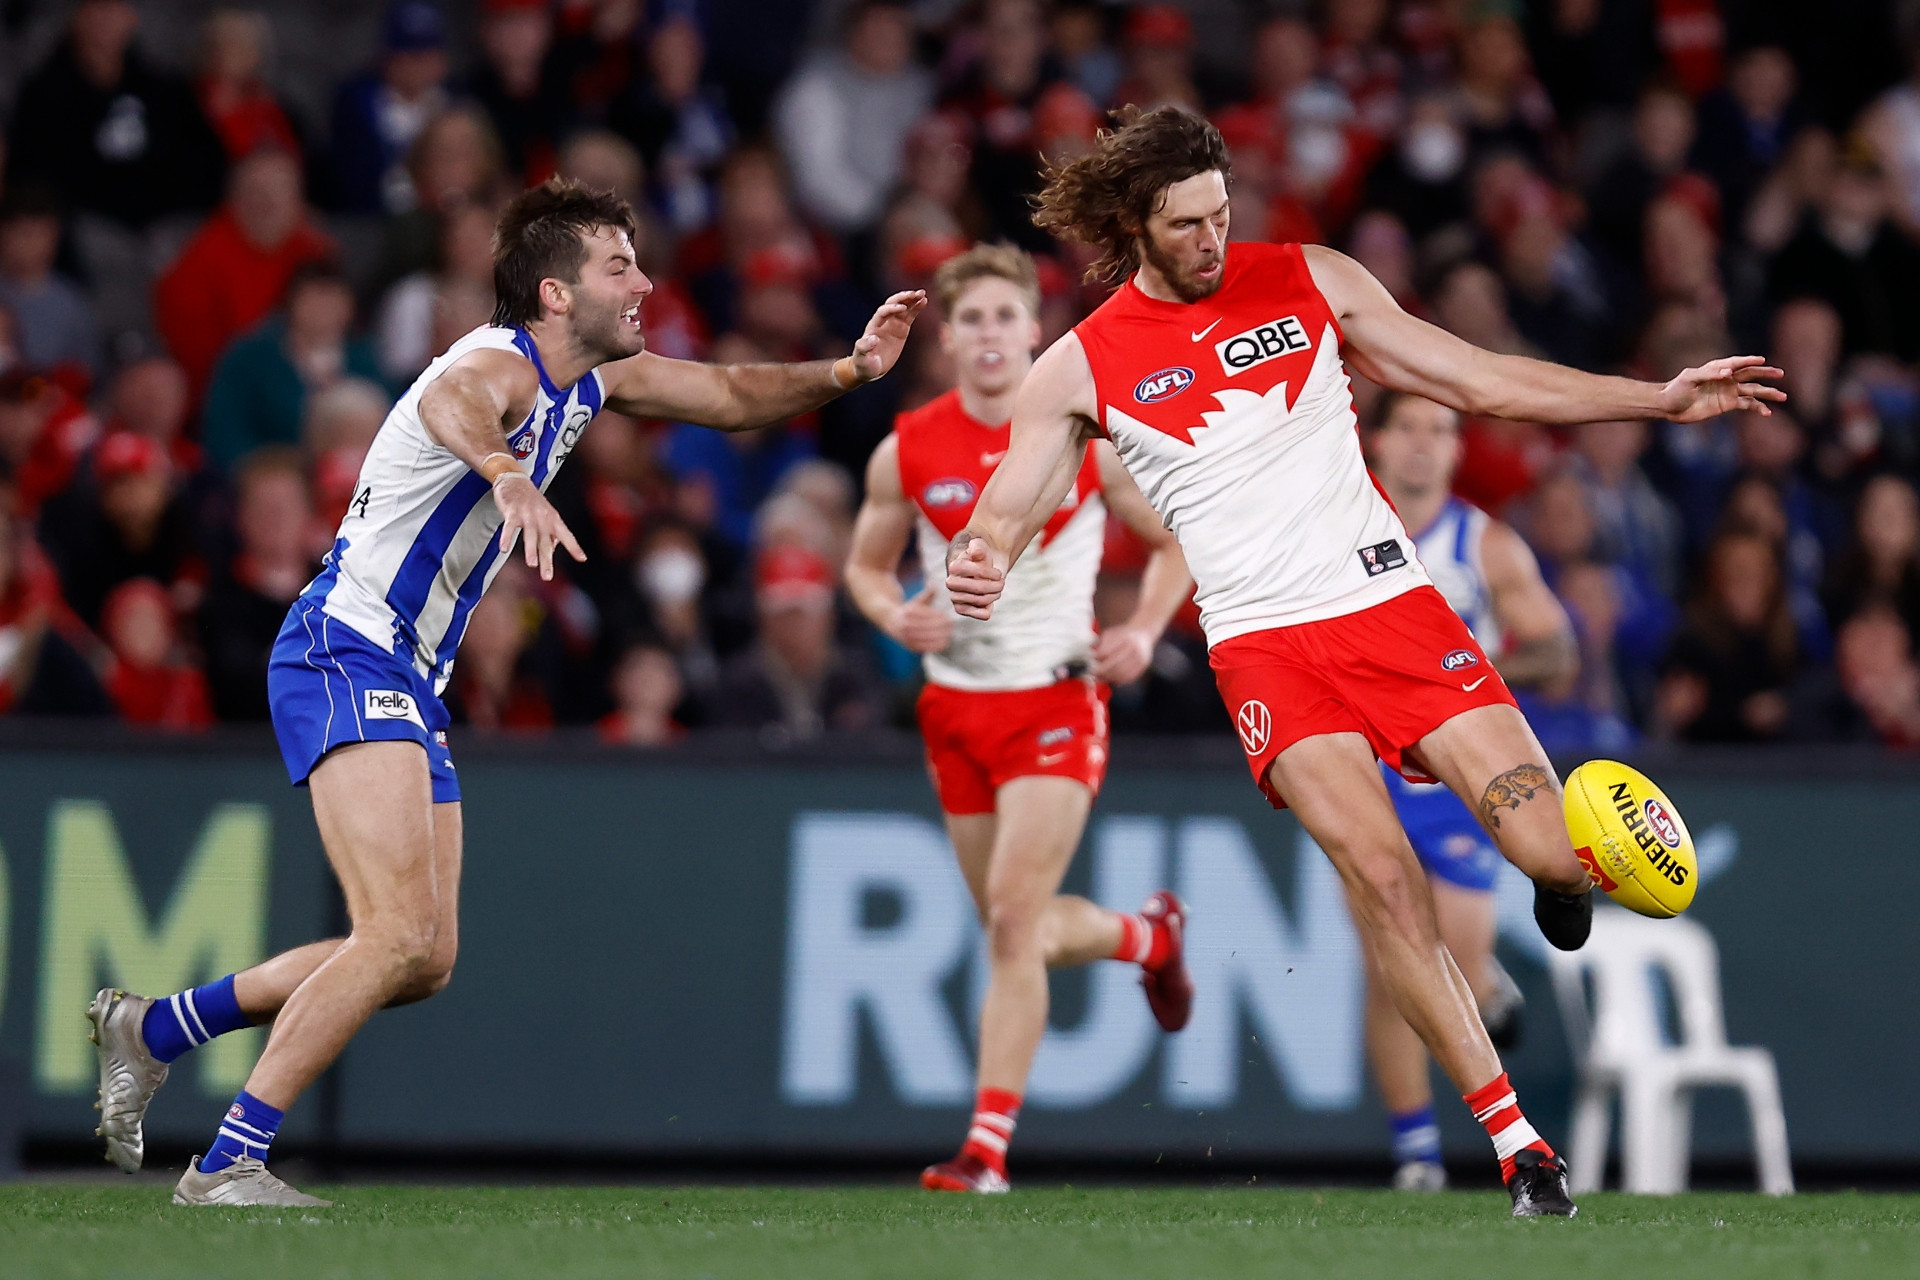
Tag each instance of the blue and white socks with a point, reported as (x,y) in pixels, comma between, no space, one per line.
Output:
(191,1018)
(248,1130)
(1416,1137)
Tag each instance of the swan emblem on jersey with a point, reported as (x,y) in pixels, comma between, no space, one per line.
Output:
(1242,411)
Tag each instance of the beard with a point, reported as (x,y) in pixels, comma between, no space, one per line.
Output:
(1190,287)
(604,336)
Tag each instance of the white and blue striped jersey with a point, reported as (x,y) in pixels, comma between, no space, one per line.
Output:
(1450,550)
(420,542)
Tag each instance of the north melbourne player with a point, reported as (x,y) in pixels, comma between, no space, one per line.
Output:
(456,474)
(1014,712)
(1215,370)
(1492,581)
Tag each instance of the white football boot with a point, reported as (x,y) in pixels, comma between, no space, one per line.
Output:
(129,1075)
(244,1182)
(1420,1175)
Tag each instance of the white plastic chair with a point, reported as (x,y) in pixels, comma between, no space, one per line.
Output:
(1621,1048)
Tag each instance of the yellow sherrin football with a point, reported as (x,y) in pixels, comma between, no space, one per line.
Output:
(1631,838)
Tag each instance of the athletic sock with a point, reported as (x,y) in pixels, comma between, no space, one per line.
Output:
(191,1018)
(1416,1137)
(995,1112)
(247,1131)
(1494,1105)
(1143,941)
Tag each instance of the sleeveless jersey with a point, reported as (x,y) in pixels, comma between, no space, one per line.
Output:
(1234,416)
(1044,619)
(1449,550)
(420,542)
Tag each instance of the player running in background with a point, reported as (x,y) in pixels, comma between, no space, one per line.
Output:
(1014,712)
(457,472)
(1492,581)
(1216,372)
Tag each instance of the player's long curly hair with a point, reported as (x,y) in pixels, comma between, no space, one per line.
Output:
(540,236)
(1104,198)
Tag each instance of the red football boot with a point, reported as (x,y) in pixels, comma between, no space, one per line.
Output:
(965,1172)
(1169,988)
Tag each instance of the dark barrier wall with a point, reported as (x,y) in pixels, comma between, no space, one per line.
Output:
(761,956)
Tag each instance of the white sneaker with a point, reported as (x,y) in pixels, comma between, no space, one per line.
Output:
(129,1075)
(1420,1175)
(244,1182)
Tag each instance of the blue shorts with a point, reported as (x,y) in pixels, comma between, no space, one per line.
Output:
(1450,843)
(328,685)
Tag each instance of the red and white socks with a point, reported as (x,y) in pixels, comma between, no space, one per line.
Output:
(995,1112)
(1495,1106)
(1144,942)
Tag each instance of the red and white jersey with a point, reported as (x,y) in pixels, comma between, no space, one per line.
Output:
(1234,416)
(1044,619)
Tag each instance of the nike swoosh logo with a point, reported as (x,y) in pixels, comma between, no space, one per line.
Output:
(1469,688)
(1055,758)
(1209,329)
(992,459)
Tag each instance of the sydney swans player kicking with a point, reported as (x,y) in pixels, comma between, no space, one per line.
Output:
(1493,582)
(1014,714)
(1215,370)
(457,472)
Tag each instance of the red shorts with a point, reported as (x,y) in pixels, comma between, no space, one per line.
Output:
(976,742)
(1392,673)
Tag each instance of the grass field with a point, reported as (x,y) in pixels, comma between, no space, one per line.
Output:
(103,1231)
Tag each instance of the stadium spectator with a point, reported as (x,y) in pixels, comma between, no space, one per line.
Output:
(45,430)
(235,269)
(343,417)
(1504,106)
(678,122)
(1850,255)
(1079,34)
(672,576)
(1636,527)
(247,602)
(454,164)
(998,97)
(1301,124)
(124,144)
(646,691)
(232,85)
(1422,180)
(1663,133)
(520,87)
(926,218)
(377,115)
(493,687)
(1157,46)
(1737,654)
(843,119)
(408,326)
(260,387)
(148,677)
(127,519)
(1357,56)
(1876,669)
(1881,567)
(1806,339)
(1744,128)
(44,650)
(796,681)
(54,315)
(599,54)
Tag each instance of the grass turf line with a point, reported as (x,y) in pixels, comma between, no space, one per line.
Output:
(104,1232)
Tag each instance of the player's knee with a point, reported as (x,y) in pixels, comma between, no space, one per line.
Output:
(1013,930)
(406,942)
(1389,888)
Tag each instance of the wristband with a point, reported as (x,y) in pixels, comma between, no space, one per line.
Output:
(853,378)
(492,471)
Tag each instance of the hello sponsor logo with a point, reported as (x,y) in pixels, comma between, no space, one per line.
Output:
(1266,341)
(954,491)
(1163,385)
(391,704)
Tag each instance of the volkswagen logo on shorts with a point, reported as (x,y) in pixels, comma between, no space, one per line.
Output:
(951,492)
(1255,724)
(1459,660)
(1163,385)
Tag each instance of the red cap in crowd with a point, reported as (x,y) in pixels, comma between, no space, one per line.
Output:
(780,265)
(1159,24)
(788,576)
(122,453)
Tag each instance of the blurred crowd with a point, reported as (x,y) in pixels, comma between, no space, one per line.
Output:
(209,297)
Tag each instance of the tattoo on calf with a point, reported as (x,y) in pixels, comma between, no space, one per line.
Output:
(1510,788)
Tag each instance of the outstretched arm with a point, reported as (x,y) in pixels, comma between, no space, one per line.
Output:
(1123,653)
(1400,351)
(1540,649)
(1052,420)
(880,534)
(740,397)
(466,410)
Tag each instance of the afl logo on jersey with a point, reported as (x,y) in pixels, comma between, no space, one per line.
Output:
(522,442)
(1459,660)
(1163,385)
(952,492)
